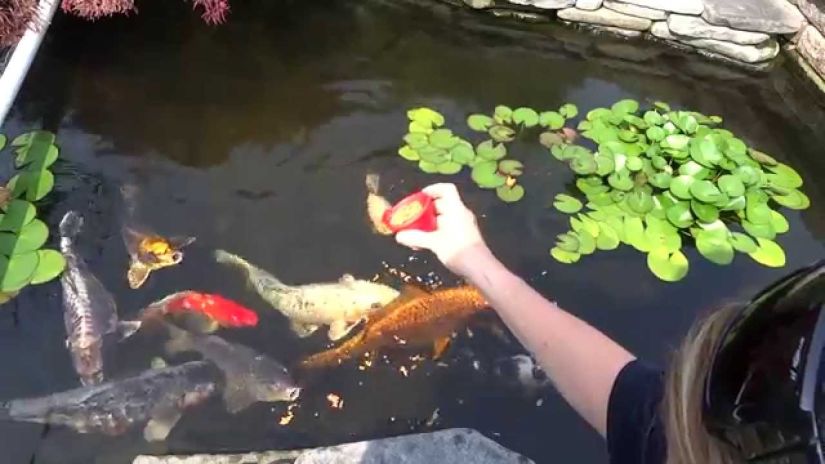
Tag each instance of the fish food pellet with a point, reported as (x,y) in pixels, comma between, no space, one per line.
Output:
(406,213)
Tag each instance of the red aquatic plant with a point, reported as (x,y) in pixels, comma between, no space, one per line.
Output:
(214,11)
(15,17)
(94,9)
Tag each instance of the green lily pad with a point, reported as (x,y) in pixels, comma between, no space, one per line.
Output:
(480,122)
(502,133)
(680,187)
(416,140)
(36,157)
(551,139)
(428,167)
(779,223)
(490,151)
(620,181)
(462,153)
(562,256)
(676,141)
(736,147)
(768,253)
(661,180)
(510,167)
(640,201)
(569,110)
(742,243)
(587,244)
(583,224)
(50,265)
(486,175)
(735,204)
(634,233)
(551,120)
(37,141)
(568,242)
(793,200)
(625,106)
(30,238)
(748,175)
(787,176)
(704,212)
(714,248)
(679,215)
(433,155)
(510,194)
(503,114)
(694,169)
(705,190)
(604,165)
(408,153)
(443,138)
(526,117)
(655,133)
(762,158)
(759,230)
(667,266)
(18,213)
(32,185)
(449,168)
(426,117)
(757,211)
(731,185)
(584,164)
(417,127)
(567,204)
(705,152)
(608,238)
(17,271)
(634,164)
(687,123)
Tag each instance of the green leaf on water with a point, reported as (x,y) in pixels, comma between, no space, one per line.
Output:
(50,265)
(587,244)
(36,157)
(449,168)
(759,230)
(680,187)
(486,175)
(3,140)
(491,151)
(640,201)
(526,117)
(443,138)
(501,133)
(779,223)
(32,185)
(511,167)
(562,256)
(704,212)
(742,243)
(510,194)
(625,106)
(480,122)
(30,238)
(408,153)
(567,204)
(667,266)
(655,133)
(569,110)
(620,181)
(428,167)
(768,253)
(608,238)
(787,176)
(550,139)
(679,215)
(714,248)
(731,185)
(551,120)
(676,141)
(568,241)
(416,140)
(18,213)
(503,114)
(17,271)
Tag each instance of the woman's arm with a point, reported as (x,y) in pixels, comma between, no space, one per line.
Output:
(581,361)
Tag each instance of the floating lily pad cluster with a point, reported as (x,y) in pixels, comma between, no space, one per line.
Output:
(23,261)
(438,150)
(660,179)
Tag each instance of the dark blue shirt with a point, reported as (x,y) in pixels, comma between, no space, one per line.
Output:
(634,428)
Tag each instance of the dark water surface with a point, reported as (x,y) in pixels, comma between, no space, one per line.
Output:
(255,137)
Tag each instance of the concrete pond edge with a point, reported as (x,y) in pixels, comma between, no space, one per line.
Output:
(449,445)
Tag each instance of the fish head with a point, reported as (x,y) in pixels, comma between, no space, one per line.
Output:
(270,381)
(157,252)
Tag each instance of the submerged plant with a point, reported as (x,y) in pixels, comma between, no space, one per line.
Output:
(23,261)
(660,178)
(438,150)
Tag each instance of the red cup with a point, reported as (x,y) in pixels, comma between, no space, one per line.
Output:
(424,220)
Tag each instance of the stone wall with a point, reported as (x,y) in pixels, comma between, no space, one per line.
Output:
(747,32)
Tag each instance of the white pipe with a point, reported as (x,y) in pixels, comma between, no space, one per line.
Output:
(22,57)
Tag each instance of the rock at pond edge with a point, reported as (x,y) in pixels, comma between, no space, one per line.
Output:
(605,17)
(635,10)
(814,10)
(749,54)
(588,4)
(698,28)
(545,4)
(769,16)
(811,45)
(693,7)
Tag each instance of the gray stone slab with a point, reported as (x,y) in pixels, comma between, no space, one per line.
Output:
(769,16)
(445,446)
(693,7)
(479,4)
(588,4)
(635,10)
(545,4)
(814,10)
(744,53)
(605,17)
(811,45)
(696,27)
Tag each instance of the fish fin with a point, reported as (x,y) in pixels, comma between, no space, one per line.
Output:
(163,419)
(353,346)
(236,398)
(440,345)
(179,341)
(339,329)
(181,241)
(126,329)
(303,330)
(372,182)
(137,274)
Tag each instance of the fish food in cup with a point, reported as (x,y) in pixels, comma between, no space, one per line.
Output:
(417,211)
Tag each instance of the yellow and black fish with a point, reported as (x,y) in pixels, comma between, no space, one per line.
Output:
(415,318)
(149,252)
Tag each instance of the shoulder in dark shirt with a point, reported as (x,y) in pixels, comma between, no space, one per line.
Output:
(634,428)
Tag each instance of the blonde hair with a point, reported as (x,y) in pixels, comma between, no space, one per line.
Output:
(688,441)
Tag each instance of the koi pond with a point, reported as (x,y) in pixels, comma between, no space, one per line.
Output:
(255,138)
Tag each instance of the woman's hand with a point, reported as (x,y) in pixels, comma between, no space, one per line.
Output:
(457,241)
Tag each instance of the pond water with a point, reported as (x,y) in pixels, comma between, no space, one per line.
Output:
(255,137)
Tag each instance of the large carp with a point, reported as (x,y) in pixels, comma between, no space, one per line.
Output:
(156,398)
(341,304)
(416,318)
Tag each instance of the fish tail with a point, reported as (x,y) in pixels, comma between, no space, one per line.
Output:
(349,349)
(225,257)
(372,180)
(71,224)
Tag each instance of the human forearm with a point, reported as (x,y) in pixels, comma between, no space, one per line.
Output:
(581,361)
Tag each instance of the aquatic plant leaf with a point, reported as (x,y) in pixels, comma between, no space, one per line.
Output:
(587,244)
(731,185)
(680,187)
(679,215)
(408,153)
(490,151)
(583,164)
(634,164)
(635,121)
(526,117)
(28,139)
(486,175)
(667,266)
(676,141)
(462,153)
(551,120)
(655,133)
(416,140)
(428,167)
(426,117)
(628,135)
(416,127)
(3,140)
(768,253)
(501,133)
(569,110)
(786,175)
(50,265)
(762,158)
(511,167)
(748,175)
(36,157)
(756,211)
(661,180)
(621,181)
(742,243)
(443,138)
(31,237)
(735,147)
(779,222)
(550,139)
(32,185)
(714,248)
(16,271)
(604,165)
(18,213)
(661,233)
(449,168)
(584,225)
(793,200)
(693,169)
(608,238)
(705,190)
(634,233)
(558,151)
(433,155)
(704,212)
(653,118)
(705,152)
(562,256)
(625,106)
(568,242)
(567,204)
(734,204)
(480,122)
(510,194)
(640,201)
(661,106)
(759,230)
(687,123)
(503,114)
